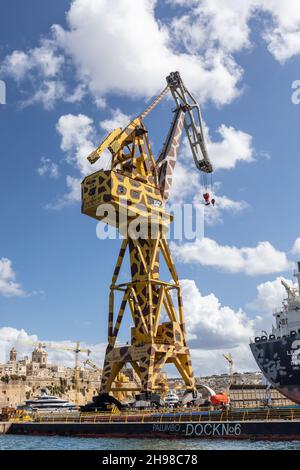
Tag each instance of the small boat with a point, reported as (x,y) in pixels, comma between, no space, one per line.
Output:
(171,399)
(46,402)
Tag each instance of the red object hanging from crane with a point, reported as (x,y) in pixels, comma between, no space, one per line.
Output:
(206,197)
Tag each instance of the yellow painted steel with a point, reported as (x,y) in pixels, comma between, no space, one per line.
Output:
(94,156)
(126,196)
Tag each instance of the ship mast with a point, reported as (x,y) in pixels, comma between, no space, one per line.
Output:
(297,275)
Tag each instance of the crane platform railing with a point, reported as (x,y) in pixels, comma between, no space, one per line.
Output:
(178,416)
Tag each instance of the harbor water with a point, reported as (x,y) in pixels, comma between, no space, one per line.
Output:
(12,442)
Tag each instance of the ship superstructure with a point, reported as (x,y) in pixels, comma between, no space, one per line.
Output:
(49,403)
(278,355)
(288,318)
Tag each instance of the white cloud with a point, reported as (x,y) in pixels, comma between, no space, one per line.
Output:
(205,362)
(210,24)
(226,24)
(210,325)
(282,33)
(146,42)
(10,337)
(43,60)
(77,95)
(25,343)
(226,203)
(187,188)
(209,362)
(270,295)
(214,214)
(296,247)
(78,139)
(134,60)
(72,195)
(213,329)
(235,146)
(261,259)
(48,167)
(118,119)
(8,285)
(42,66)
(77,136)
(185,183)
(50,92)
(16,64)
(46,60)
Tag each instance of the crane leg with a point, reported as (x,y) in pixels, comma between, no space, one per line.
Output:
(154,342)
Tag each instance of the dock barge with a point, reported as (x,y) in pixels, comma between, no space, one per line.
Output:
(255,424)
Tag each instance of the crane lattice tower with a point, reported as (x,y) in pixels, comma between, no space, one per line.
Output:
(137,187)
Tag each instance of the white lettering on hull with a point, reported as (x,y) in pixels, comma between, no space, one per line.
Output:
(200,429)
(213,429)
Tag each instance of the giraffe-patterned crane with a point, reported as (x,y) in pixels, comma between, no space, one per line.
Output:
(137,188)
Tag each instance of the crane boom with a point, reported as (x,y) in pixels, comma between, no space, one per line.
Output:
(166,162)
(192,122)
(187,113)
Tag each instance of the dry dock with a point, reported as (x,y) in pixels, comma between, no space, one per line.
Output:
(269,430)
(275,424)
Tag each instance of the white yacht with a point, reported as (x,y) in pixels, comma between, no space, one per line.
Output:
(171,399)
(46,402)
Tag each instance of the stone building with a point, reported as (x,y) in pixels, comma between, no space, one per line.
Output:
(40,356)
(13,355)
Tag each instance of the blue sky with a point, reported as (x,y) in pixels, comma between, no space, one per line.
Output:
(66,87)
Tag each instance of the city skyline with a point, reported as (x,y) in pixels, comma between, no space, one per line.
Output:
(68,83)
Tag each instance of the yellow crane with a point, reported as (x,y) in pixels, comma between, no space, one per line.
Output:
(229,359)
(119,390)
(88,362)
(77,350)
(131,195)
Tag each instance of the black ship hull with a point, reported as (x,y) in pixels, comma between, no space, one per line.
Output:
(279,361)
(256,430)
